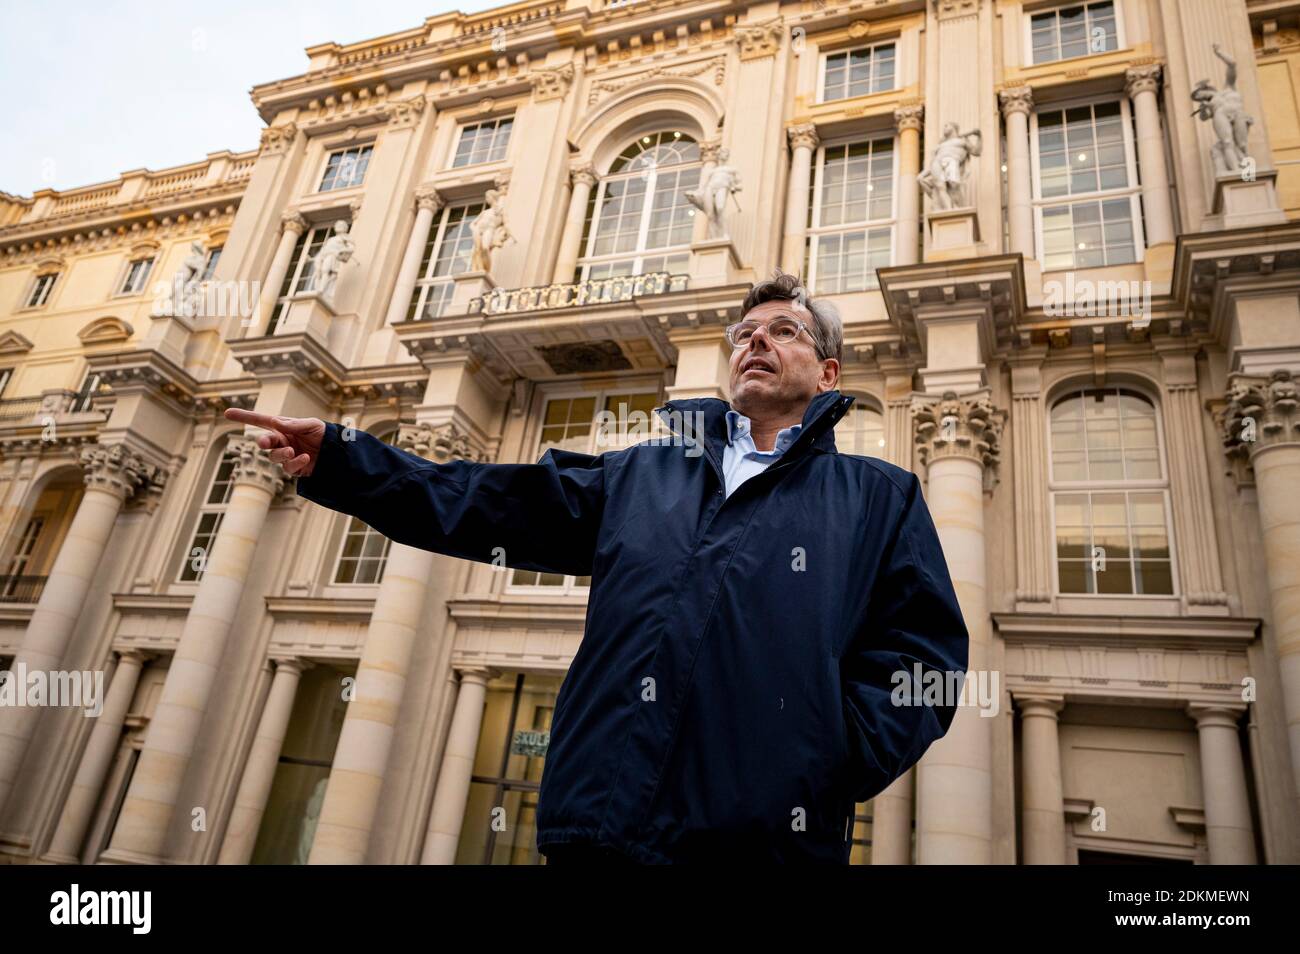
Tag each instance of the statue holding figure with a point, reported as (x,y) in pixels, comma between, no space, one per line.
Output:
(1225,110)
(944,180)
(185,283)
(711,198)
(489,231)
(333,255)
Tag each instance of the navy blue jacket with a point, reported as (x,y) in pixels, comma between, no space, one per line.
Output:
(734,693)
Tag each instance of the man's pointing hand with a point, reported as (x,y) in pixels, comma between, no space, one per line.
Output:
(294,441)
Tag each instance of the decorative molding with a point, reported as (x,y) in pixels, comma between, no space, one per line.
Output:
(118,469)
(585,173)
(909,117)
(1142,79)
(551,84)
(277,139)
(955,9)
(1259,413)
(1016,99)
(803,135)
(427,197)
(759,40)
(605,88)
(107,330)
(254,467)
(439,443)
(291,220)
(14,343)
(405,113)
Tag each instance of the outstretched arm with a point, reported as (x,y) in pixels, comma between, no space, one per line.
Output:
(1231,76)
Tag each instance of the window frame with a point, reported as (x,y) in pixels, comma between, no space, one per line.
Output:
(125,291)
(330,153)
(205,506)
(463,127)
(425,282)
(1121,40)
(1159,485)
(1133,191)
(35,288)
(210,260)
(815,230)
(294,276)
(825,55)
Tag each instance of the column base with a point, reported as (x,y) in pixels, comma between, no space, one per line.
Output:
(954,234)
(1240,203)
(715,262)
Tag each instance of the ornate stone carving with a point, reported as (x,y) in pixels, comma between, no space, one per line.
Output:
(118,469)
(1142,79)
(254,466)
(292,221)
(403,113)
(584,173)
(439,443)
(277,139)
(718,64)
(1018,99)
(909,117)
(952,426)
(952,9)
(1260,412)
(759,40)
(804,134)
(551,84)
(427,197)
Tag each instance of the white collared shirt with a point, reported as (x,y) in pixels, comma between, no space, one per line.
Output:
(741,460)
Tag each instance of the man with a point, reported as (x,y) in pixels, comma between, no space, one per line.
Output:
(757,600)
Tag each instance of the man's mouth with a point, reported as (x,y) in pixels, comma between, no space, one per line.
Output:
(756,365)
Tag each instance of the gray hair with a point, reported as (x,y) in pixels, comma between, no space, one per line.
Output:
(827,328)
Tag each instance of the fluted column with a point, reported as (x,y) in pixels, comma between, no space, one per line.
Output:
(566,261)
(1143,85)
(292,225)
(1016,106)
(803,141)
(142,825)
(427,204)
(1262,436)
(1043,801)
(1229,833)
(907,119)
(957,441)
(112,474)
(259,770)
(361,758)
(105,737)
(452,793)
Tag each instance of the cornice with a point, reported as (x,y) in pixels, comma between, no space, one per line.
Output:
(96,230)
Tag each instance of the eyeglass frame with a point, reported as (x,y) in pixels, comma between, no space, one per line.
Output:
(798,321)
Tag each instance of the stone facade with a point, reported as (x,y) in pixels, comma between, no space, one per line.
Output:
(1092,365)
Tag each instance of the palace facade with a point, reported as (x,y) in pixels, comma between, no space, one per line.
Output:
(1091,361)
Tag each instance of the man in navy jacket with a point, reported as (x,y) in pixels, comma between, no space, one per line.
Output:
(763,610)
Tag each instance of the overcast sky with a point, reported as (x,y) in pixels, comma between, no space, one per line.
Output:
(98,88)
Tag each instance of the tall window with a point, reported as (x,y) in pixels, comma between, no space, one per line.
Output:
(1086,189)
(572,423)
(298,277)
(861,431)
(211,512)
(447,252)
(1067,32)
(137,273)
(5,375)
(858,72)
(639,219)
(18,584)
(850,215)
(363,552)
(483,142)
(345,168)
(41,289)
(85,398)
(1109,495)
(210,263)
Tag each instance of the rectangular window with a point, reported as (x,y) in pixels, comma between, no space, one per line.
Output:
(211,512)
(851,215)
(1086,151)
(41,289)
(1067,32)
(345,168)
(137,273)
(85,398)
(210,264)
(483,142)
(298,276)
(447,252)
(1113,543)
(858,72)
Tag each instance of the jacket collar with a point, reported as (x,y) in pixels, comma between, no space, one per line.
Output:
(817,428)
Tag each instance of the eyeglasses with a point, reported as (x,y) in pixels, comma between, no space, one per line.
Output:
(780,330)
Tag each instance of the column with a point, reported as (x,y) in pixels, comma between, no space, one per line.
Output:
(427,203)
(1229,833)
(1262,429)
(907,119)
(891,823)
(292,225)
(1043,802)
(1142,84)
(259,771)
(957,441)
(1016,106)
(452,793)
(113,473)
(361,759)
(1034,555)
(142,825)
(566,261)
(803,141)
(65,848)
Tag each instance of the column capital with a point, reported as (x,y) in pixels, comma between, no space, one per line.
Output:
(909,116)
(758,40)
(476,674)
(291,220)
(277,139)
(1016,99)
(119,469)
(803,135)
(1259,413)
(404,113)
(1036,704)
(137,657)
(253,466)
(427,197)
(966,426)
(1222,714)
(583,172)
(1144,78)
(294,664)
(439,443)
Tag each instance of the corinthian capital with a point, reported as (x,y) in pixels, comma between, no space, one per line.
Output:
(759,40)
(1259,413)
(909,117)
(292,221)
(584,173)
(1019,99)
(1142,79)
(118,469)
(427,197)
(804,134)
(439,443)
(277,139)
(950,426)
(254,466)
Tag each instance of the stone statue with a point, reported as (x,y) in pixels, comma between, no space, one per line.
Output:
(1224,109)
(711,198)
(490,232)
(185,283)
(331,258)
(944,180)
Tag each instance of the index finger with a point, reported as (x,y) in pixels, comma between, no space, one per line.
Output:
(251,417)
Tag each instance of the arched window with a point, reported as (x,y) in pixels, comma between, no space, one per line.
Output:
(363,551)
(1110,495)
(639,219)
(861,431)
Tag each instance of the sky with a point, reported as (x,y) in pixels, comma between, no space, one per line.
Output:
(97,89)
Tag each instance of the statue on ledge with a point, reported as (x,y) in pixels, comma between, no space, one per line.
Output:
(944,180)
(711,198)
(490,232)
(1225,110)
(333,255)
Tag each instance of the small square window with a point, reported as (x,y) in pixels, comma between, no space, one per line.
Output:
(483,142)
(1067,32)
(137,273)
(859,72)
(41,289)
(345,168)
